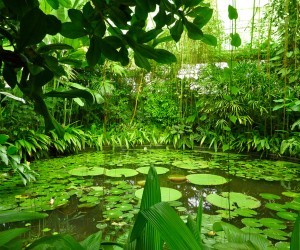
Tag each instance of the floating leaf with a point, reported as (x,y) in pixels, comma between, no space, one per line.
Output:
(159,170)
(291,194)
(177,178)
(167,194)
(275,234)
(273,223)
(239,199)
(245,212)
(124,207)
(206,179)
(86,171)
(276,207)
(287,215)
(112,214)
(121,172)
(269,196)
(250,222)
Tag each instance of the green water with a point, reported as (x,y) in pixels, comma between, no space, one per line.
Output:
(90,197)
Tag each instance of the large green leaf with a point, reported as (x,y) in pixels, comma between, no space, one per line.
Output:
(206,179)
(32,28)
(3,138)
(177,30)
(232,12)
(202,16)
(235,235)
(209,39)
(167,194)
(13,216)
(93,54)
(53,3)
(165,56)
(8,235)
(57,242)
(141,61)
(72,30)
(92,242)
(170,226)
(235,40)
(194,32)
(146,236)
(295,239)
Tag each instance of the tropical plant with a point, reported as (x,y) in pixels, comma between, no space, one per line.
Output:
(30,64)
(9,157)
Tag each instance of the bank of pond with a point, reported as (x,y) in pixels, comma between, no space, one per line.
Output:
(94,191)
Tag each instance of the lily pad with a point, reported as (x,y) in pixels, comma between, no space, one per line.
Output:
(167,194)
(250,222)
(269,196)
(272,223)
(282,245)
(206,179)
(253,230)
(190,164)
(112,198)
(275,234)
(112,214)
(177,178)
(159,170)
(295,205)
(121,172)
(291,194)
(287,215)
(276,207)
(124,207)
(87,171)
(245,212)
(237,200)
(141,183)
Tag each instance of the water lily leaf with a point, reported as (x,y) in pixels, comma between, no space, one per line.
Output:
(253,230)
(287,215)
(276,207)
(242,200)
(116,191)
(275,234)
(121,172)
(245,212)
(177,178)
(269,196)
(250,222)
(159,170)
(206,179)
(219,201)
(112,214)
(112,198)
(167,194)
(141,183)
(295,205)
(124,207)
(282,245)
(236,200)
(272,223)
(291,194)
(190,164)
(87,171)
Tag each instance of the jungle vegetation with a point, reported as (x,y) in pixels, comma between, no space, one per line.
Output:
(79,74)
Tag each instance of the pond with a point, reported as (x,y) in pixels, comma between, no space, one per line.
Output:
(100,190)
